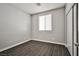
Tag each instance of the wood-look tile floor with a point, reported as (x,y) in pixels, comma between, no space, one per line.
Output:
(36,48)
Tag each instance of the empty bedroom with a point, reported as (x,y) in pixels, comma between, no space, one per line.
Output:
(39,29)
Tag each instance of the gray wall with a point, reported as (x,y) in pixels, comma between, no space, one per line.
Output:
(68,23)
(69,31)
(15,26)
(57,33)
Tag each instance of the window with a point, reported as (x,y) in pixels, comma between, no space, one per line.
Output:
(45,23)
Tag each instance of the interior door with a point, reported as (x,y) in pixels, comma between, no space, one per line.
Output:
(72,30)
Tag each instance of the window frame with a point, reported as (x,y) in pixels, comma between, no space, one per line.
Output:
(45,24)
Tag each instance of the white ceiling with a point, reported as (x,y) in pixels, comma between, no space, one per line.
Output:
(33,8)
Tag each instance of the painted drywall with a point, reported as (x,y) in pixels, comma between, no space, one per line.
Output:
(57,33)
(69,31)
(68,26)
(15,26)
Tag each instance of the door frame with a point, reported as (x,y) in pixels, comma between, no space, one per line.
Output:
(77,25)
(76,28)
(73,26)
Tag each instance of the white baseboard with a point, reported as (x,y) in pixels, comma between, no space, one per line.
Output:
(13,45)
(29,40)
(51,42)
(66,45)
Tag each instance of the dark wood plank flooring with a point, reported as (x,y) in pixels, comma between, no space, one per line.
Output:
(36,48)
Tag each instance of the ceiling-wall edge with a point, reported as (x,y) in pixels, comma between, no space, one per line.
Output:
(17,8)
(48,10)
